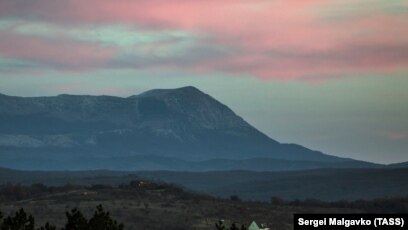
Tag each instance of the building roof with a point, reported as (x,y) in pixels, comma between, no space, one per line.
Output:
(253,226)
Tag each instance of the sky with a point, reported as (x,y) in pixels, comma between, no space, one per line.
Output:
(331,75)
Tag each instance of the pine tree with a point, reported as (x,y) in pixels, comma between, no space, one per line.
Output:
(220,225)
(101,220)
(47,226)
(76,221)
(21,221)
(234,227)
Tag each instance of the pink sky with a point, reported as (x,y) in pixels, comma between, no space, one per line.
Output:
(283,39)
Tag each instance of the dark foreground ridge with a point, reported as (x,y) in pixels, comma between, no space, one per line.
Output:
(143,204)
(321,184)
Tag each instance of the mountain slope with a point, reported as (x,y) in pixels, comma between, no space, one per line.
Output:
(399,165)
(184,123)
(149,163)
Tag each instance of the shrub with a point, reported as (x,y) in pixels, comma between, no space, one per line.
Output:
(101,220)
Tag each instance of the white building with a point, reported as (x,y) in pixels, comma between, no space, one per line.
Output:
(254,226)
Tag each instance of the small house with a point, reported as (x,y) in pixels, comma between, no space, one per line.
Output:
(255,226)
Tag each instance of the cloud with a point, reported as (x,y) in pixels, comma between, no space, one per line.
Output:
(61,53)
(103,46)
(282,39)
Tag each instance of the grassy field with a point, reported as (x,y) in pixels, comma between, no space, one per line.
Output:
(162,206)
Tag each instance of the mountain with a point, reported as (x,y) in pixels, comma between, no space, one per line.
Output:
(88,132)
(399,165)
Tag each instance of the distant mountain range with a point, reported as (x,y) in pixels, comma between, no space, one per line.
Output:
(161,129)
(324,184)
(399,165)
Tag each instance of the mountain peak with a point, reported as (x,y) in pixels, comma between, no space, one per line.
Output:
(196,107)
(186,90)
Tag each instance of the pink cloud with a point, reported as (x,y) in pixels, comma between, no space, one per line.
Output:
(57,53)
(285,39)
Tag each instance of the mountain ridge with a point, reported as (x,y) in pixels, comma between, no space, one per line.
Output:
(399,165)
(184,123)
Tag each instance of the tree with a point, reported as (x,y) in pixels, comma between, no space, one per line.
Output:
(101,220)
(220,225)
(76,221)
(235,198)
(234,227)
(21,221)
(277,201)
(47,226)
